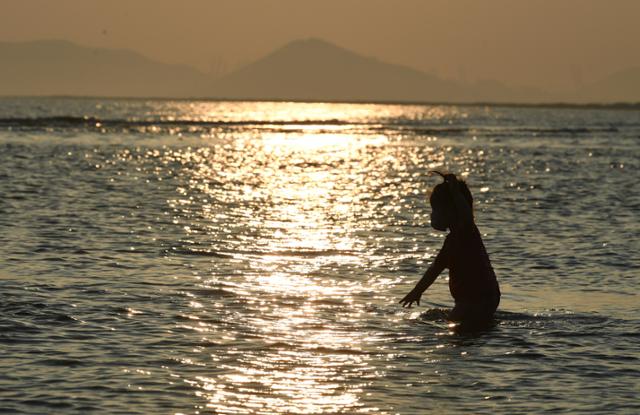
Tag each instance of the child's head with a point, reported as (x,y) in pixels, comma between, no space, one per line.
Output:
(443,210)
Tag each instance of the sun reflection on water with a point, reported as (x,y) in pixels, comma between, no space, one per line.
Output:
(301,233)
(283,194)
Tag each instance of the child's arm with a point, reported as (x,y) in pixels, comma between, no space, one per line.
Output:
(425,282)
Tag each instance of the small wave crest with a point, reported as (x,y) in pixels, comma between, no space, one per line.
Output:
(302,253)
(198,126)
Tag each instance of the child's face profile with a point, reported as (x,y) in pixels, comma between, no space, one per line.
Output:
(439,219)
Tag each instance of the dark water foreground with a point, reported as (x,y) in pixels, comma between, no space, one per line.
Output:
(232,258)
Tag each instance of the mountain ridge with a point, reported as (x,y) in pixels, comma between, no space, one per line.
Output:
(316,69)
(301,70)
(60,67)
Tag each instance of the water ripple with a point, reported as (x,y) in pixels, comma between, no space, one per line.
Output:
(194,257)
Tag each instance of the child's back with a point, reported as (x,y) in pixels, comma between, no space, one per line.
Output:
(472,282)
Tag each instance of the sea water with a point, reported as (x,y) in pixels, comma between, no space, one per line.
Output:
(248,258)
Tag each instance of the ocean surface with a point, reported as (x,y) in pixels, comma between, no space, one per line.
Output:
(194,257)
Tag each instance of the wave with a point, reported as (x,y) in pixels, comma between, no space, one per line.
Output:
(419,127)
(74,121)
(303,253)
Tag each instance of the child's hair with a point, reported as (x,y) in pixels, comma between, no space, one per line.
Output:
(441,197)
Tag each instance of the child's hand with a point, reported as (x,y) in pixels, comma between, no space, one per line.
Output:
(412,297)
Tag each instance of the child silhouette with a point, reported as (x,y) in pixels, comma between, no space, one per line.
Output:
(472,282)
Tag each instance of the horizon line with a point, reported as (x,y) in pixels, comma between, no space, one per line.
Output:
(552,104)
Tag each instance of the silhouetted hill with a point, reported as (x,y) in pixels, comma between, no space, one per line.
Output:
(310,70)
(317,70)
(313,69)
(54,67)
(622,86)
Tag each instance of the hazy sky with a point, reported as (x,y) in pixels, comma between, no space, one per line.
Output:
(552,43)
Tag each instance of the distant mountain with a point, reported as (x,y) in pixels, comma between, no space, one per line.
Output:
(621,86)
(55,67)
(313,69)
(308,70)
